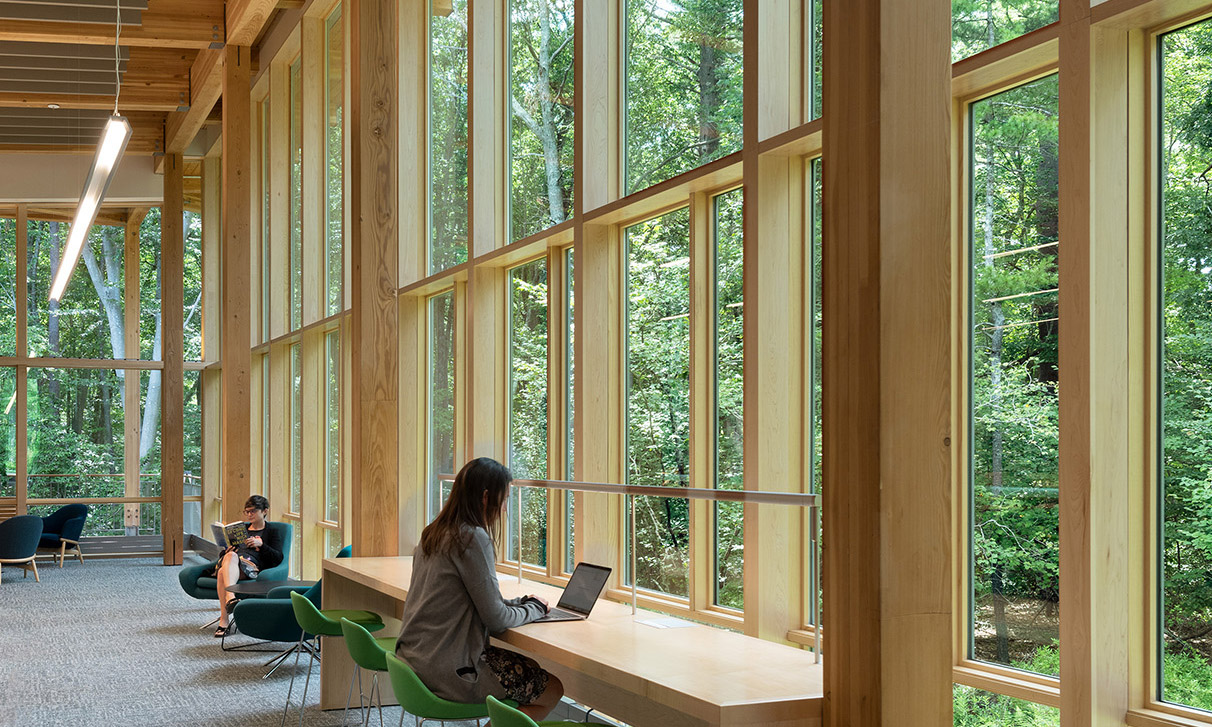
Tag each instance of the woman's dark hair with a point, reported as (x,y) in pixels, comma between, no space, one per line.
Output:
(466,506)
(258,502)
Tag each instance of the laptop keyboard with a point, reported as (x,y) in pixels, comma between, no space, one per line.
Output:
(559,614)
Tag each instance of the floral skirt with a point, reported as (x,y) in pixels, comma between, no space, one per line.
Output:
(524,680)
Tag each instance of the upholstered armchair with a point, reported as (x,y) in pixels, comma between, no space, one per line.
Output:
(19,542)
(204,587)
(61,531)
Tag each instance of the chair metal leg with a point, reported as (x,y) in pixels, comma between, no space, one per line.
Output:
(291,689)
(356,676)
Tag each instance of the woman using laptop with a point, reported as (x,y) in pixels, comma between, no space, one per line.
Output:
(454,603)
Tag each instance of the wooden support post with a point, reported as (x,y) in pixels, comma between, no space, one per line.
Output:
(237,238)
(485,364)
(212,379)
(488,136)
(315,196)
(374,259)
(887,360)
(22,473)
(172,391)
(413,349)
(131,380)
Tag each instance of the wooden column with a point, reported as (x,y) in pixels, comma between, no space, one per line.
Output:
(131,380)
(172,391)
(374,259)
(237,306)
(1101,530)
(485,364)
(23,351)
(887,359)
(211,378)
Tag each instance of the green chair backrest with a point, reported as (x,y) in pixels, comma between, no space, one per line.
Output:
(310,619)
(416,699)
(363,648)
(502,715)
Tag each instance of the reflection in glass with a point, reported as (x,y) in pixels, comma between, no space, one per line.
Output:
(658,396)
(1015,383)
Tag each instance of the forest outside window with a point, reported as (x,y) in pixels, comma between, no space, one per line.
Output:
(334,167)
(296,428)
(683,86)
(332,432)
(1014,382)
(569,408)
(729,397)
(441,397)
(296,195)
(448,158)
(658,398)
(528,408)
(541,80)
(978,25)
(1185,368)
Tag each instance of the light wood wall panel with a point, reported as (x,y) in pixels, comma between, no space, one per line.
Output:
(488,126)
(315,195)
(486,362)
(172,390)
(413,200)
(374,256)
(414,407)
(599,113)
(237,307)
(131,379)
(279,198)
(212,338)
(887,359)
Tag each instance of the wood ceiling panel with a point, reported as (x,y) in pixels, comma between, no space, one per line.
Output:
(166,24)
(96,14)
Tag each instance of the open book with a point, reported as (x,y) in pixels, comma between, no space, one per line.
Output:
(231,534)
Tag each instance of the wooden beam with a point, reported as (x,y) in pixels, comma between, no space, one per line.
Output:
(887,362)
(212,379)
(237,238)
(246,18)
(314,201)
(374,257)
(172,391)
(132,379)
(205,88)
(166,24)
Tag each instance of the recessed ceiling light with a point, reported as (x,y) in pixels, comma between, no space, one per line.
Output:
(52,106)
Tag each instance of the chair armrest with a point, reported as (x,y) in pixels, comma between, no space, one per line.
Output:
(71,529)
(284,592)
(189,575)
(279,572)
(267,618)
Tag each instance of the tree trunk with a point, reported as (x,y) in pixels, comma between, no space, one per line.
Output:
(52,325)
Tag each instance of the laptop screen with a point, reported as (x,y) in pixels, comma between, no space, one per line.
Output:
(584,587)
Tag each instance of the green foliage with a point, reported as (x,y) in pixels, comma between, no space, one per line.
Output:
(528,405)
(980,24)
(448,138)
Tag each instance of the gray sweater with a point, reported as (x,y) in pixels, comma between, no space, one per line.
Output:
(454,602)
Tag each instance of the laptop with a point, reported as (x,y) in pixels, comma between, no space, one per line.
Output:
(582,591)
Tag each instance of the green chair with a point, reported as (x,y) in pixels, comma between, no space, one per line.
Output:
(503,715)
(370,653)
(316,623)
(417,700)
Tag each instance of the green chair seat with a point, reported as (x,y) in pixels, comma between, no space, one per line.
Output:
(416,699)
(503,715)
(368,619)
(328,622)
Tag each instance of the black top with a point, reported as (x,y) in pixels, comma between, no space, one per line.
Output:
(270,553)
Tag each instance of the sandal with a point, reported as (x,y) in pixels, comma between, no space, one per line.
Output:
(222,631)
(231,604)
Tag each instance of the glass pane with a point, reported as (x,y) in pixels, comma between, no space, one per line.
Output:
(658,396)
(334,169)
(88,322)
(441,397)
(296,195)
(8,432)
(569,408)
(192,441)
(150,388)
(541,81)
(1014,385)
(149,285)
(528,406)
(1186,366)
(296,550)
(977,25)
(814,185)
(192,287)
(111,519)
(332,543)
(817,46)
(296,428)
(683,86)
(729,397)
(77,433)
(332,433)
(447,134)
(266,386)
(8,286)
(265,215)
(976,708)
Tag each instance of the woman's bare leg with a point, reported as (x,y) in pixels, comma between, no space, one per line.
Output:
(227,574)
(547,701)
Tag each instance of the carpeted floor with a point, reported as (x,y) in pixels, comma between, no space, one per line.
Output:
(116,642)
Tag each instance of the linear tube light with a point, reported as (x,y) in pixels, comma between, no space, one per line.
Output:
(113,142)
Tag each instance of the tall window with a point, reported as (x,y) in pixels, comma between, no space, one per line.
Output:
(569,410)
(265,226)
(528,406)
(541,112)
(977,25)
(729,397)
(1185,366)
(334,168)
(658,396)
(296,194)
(447,134)
(683,86)
(332,436)
(813,610)
(1014,324)
(296,428)
(441,397)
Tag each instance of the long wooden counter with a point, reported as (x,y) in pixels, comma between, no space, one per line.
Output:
(643,675)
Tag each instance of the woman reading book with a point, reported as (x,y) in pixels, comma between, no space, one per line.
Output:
(262,549)
(454,603)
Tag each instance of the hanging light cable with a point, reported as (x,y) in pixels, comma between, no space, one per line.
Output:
(113,141)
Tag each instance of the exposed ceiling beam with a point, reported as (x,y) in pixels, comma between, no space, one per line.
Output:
(206,85)
(96,14)
(166,23)
(246,18)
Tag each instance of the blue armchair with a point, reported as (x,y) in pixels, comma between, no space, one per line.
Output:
(62,528)
(204,587)
(19,542)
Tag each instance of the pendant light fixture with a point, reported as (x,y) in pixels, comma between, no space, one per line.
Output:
(113,141)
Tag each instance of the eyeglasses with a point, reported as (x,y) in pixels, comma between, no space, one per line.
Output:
(250,510)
